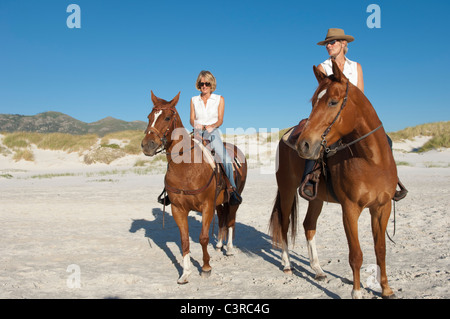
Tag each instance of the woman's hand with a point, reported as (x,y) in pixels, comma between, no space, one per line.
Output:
(198,127)
(210,128)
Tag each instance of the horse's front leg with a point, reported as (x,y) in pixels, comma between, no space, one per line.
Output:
(380,217)
(180,217)
(351,213)
(207,216)
(309,225)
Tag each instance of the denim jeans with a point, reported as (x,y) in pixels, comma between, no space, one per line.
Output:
(219,148)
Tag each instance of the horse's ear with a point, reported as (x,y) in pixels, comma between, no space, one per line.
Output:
(154,98)
(175,99)
(338,75)
(319,74)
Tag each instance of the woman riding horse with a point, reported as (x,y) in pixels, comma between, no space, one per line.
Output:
(336,43)
(207,112)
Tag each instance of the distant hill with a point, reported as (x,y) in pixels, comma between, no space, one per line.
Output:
(56,122)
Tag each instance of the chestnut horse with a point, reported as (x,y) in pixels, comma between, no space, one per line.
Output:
(362,171)
(190,181)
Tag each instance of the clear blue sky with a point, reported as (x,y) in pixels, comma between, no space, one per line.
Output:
(261,53)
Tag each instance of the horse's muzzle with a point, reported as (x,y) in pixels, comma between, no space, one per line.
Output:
(149,147)
(308,149)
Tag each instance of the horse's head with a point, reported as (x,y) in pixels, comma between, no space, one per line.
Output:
(162,121)
(327,122)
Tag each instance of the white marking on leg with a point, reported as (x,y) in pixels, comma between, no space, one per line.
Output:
(157,114)
(285,260)
(230,248)
(186,269)
(356,294)
(314,259)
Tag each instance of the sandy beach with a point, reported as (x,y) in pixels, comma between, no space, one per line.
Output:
(71,230)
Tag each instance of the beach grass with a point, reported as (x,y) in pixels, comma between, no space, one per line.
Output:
(440,132)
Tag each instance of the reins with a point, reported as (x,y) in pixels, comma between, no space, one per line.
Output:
(338,146)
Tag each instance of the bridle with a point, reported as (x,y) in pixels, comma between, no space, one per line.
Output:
(333,149)
(163,136)
(328,129)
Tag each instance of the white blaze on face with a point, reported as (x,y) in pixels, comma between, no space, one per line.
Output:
(157,114)
(321,94)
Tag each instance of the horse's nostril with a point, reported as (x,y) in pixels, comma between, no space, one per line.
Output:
(305,146)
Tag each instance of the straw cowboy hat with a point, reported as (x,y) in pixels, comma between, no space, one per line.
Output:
(336,34)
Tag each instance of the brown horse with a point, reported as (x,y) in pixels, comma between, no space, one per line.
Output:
(191,182)
(362,173)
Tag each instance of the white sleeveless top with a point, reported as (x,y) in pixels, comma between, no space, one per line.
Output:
(206,115)
(350,69)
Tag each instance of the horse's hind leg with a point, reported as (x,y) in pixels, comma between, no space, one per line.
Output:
(222,234)
(309,224)
(180,217)
(287,203)
(230,225)
(380,218)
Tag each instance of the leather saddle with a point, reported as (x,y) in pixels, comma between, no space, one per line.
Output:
(320,167)
(236,156)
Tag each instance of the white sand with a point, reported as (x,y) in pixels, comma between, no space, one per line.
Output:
(108,228)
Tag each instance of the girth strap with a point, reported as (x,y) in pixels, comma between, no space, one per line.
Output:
(188,192)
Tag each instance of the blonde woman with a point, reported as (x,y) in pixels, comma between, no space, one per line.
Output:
(207,111)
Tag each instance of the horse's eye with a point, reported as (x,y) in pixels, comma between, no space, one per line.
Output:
(167,119)
(333,103)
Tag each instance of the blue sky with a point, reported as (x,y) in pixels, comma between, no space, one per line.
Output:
(261,53)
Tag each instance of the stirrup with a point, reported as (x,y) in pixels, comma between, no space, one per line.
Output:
(164,200)
(399,195)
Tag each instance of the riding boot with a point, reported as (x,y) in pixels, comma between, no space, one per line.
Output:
(309,187)
(400,194)
(235,198)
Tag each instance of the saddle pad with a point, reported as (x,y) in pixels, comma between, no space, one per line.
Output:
(206,154)
(237,158)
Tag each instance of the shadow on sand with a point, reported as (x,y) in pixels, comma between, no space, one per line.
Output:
(249,241)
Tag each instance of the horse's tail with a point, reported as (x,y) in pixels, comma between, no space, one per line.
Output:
(276,222)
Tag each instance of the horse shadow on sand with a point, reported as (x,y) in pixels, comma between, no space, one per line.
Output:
(248,240)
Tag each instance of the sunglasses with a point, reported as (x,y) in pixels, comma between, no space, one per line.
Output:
(331,42)
(200,84)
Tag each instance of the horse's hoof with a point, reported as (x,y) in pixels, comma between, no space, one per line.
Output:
(182,281)
(206,274)
(393,296)
(230,252)
(320,277)
(288,271)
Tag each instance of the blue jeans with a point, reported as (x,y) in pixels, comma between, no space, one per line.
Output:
(219,148)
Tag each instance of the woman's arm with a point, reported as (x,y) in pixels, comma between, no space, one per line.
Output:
(192,118)
(220,117)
